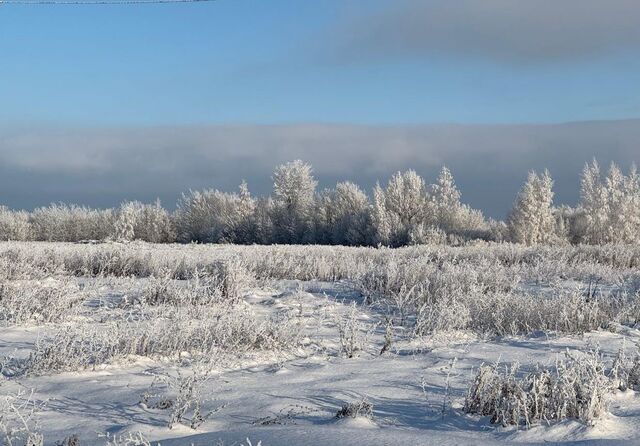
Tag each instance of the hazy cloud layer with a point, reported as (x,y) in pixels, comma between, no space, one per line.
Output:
(503,30)
(101,167)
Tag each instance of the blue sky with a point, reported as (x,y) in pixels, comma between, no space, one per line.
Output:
(256,61)
(99,104)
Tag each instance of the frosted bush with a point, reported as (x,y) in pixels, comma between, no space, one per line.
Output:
(219,282)
(362,408)
(490,288)
(625,371)
(162,332)
(18,425)
(353,333)
(128,439)
(14,267)
(182,394)
(50,300)
(577,387)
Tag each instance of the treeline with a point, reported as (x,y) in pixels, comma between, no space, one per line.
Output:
(405,211)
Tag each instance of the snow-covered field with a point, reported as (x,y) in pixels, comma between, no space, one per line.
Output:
(206,345)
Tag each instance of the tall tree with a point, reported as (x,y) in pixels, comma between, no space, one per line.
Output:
(623,194)
(380,218)
(446,198)
(594,201)
(294,193)
(348,215)
(400,208)
(531,220)
(611,208)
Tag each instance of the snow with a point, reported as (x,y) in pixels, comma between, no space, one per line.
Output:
(405,385)
(289,394)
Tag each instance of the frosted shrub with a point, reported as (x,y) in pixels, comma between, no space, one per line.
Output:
(129,439)
(563,311)
(450,313)
(232,278)
(162,332)
(18,425)
(15,267)
(489,288)
(182,395)
(577,387)
(362,408)
(218,282)
(50,300)
(353,333)
(626,371)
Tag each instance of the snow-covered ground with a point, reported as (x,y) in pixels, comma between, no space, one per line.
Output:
(290,395)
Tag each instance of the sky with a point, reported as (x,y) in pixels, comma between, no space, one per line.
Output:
(226,89)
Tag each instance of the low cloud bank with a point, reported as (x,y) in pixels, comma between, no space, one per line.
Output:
(102,167)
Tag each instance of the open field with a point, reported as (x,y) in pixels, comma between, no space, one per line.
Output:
(139,343)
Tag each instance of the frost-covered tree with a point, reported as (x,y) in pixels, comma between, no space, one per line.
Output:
(522,220)
(246,229)
(345,212)
(261,220)
(594,201)
(294,193)
(14,225)
(194,216)
(568,224)
(212,216)
(446,200)
(404,211)
(448,213)
(631,207)
(531,220)
(323,219)
(546,220)
(150,222)
(379,218)
(126,221)
(623,193)
(424,234)
(399,208)
(70,223)
(611,207)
